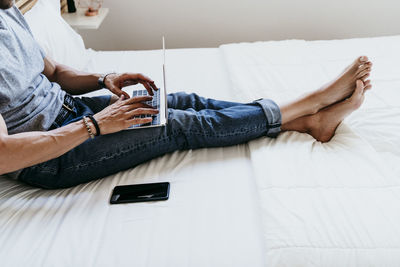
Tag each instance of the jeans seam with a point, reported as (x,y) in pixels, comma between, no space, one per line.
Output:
(122,151)
(130,149)
(234,133)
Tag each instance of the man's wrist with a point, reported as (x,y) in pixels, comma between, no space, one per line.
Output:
(102,80)
(96,125)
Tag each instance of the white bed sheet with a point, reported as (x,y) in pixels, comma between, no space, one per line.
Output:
(290,201)
(333,204)
(211,218)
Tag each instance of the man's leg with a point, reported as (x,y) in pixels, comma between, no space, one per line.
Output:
(186,129)
(190,129)
(335,91)
(182,101)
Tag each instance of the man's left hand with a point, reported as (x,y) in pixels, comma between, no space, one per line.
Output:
(115,82)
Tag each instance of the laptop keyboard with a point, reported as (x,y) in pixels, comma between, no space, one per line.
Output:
(155,102)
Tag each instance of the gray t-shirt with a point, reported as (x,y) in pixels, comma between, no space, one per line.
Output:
(28,100)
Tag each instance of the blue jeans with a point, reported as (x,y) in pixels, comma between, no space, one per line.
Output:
(193,122)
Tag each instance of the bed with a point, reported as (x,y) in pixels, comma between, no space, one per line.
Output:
(289,201)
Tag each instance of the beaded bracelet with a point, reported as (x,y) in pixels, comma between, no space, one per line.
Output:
(85,121)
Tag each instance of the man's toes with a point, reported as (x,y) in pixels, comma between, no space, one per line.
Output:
(359,87)
(358,62)
(365,73)
(358,96)
(367,85)
(359,90)
(363,78)
(365,66)
(363,59)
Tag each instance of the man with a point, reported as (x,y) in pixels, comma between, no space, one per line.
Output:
(45,133)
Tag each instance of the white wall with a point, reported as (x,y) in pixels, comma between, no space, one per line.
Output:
(139,24)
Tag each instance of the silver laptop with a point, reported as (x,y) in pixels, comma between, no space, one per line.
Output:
(159,100)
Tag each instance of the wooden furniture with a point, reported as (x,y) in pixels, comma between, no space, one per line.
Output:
(76,20)
(79,21)
(25,5)
(64,7)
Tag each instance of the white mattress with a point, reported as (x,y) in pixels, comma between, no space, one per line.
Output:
(333,204)
(210,219)
(289,201)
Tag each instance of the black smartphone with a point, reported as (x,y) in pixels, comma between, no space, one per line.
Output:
(140,193)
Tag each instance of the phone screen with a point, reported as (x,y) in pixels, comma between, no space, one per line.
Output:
(140,193)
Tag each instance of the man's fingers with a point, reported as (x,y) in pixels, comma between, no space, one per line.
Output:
(153,85)
(142,111)
(127,79)
(119,92)
(147,86)
(140,121)
(125,94)
(144,105)
(138,99)
(139,105)
(135,76)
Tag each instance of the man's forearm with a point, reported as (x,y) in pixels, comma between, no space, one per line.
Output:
(41,146)
(75,82)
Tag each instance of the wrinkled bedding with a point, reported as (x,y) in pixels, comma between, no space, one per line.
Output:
(289,201)
(333,204)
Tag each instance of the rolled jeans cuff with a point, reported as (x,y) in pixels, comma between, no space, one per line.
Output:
(273,114)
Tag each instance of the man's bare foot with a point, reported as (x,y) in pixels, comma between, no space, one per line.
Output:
(339,89)
(343,86)
(322,125)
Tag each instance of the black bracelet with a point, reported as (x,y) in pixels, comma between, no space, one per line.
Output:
(95,125)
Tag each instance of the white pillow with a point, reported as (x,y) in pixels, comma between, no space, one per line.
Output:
(60,42)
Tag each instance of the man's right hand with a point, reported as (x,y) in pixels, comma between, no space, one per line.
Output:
(124,113)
